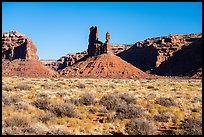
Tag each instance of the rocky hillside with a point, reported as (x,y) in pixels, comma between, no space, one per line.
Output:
(19,57)
(104,66)
(173,55)
(185,62)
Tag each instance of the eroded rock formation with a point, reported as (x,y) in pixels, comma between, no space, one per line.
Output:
(16,46)
(19,57)
(95,46)
(151,54)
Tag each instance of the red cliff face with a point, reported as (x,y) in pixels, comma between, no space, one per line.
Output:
(16,46)
(19,57)
(168,55)
(95,46)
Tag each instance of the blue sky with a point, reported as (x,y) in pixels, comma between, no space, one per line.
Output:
(59,28)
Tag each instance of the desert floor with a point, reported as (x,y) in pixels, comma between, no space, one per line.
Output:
(66,106)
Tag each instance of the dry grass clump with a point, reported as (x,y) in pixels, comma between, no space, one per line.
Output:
(7,87)
(58,130)
(192,126)
(35,129)
(87,99)
(17,120)
(23,87)
(64,109)
(48,86)
(9,100)
(140,126)
(12,131)
(21,106)
(167,102)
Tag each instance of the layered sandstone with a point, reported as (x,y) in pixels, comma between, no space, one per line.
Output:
(19,57)
(151,54)
(16,46)
(104,66)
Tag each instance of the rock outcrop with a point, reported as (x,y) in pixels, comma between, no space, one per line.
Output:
(19,57)
(150,54)
(104,66)
(95,46)
(185,62)
(16,46)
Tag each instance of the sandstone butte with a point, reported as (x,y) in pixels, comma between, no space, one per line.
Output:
(19,57)
(100,62)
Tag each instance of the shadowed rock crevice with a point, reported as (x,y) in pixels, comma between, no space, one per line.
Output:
(184,62)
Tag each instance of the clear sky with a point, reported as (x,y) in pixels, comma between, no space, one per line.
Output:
(59,28)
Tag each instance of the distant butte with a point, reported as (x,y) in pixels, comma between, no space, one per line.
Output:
(102,63)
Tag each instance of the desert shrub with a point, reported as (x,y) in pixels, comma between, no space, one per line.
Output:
(45,117)
(128,111)
(86,99)
(9,100)
(167,102)
(64,109)
(74,101)
(41,103)
(127,98)
(162,118)
(57,130)
(110,101)
(192,126)
(35,129)
(140,126)
(23,87)
(17,120)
